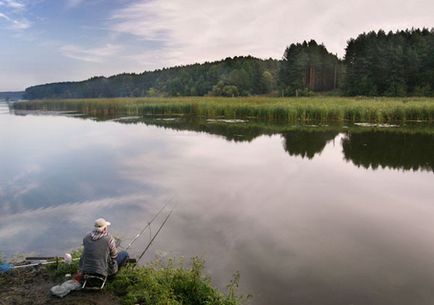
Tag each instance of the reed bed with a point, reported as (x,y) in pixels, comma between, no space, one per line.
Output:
(316,109)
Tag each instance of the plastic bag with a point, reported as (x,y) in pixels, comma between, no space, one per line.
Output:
(64,289)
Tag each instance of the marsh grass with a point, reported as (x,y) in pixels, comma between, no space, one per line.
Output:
(309,109)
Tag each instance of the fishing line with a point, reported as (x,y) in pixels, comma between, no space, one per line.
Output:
(153,238)
(148,225)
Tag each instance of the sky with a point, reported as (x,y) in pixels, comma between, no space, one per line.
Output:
(43,41)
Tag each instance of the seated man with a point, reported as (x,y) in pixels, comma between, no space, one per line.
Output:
(100,254)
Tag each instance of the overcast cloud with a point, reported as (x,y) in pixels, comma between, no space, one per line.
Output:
(93,37)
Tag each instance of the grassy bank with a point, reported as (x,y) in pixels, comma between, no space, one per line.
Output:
(317,109)
(169,282)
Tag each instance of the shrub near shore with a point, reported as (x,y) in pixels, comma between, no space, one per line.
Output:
(316,109)
(170,283)
(160,282)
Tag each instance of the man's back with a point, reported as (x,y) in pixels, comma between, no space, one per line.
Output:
(96,255)
(100,253)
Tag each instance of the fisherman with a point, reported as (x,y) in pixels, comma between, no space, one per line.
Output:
(100,253)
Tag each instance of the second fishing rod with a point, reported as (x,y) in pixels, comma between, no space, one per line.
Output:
(148,225)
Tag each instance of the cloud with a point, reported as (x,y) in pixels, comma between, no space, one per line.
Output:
(150,59)
(73,3)
(16,24)
(95,55)
(14,14)
(21,24)
(193,31)
(5,17)
(163,33)
(12,4)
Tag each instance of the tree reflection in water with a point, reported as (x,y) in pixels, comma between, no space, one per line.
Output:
(307,143)
(374,149)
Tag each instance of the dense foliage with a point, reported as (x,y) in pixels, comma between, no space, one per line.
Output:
(308,67)
(171,283)
(11,95)
(392,64)
(375,64)
(230,77)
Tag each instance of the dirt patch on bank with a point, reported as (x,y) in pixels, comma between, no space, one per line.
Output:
(32,286)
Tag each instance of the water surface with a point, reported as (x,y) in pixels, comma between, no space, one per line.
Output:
(307,215)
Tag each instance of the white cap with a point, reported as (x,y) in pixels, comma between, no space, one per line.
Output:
(101,224)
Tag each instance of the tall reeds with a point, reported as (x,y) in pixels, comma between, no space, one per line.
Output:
(317,109)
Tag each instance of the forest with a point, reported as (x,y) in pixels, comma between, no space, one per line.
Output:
(397,63)
(11,95)
(392,64)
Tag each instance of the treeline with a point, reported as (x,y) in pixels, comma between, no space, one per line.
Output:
(238,76)
(392,64)
(11,95)
(375,64)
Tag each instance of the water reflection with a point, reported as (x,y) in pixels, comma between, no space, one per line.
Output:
(402,148)
(302,224)
(405,151)
(307,143)
(237,132)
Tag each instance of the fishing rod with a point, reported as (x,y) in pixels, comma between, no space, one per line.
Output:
(5,267)
(67,259)
(153,238)
(35,264)
(148,224)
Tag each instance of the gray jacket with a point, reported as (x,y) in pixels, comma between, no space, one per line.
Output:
(98,256)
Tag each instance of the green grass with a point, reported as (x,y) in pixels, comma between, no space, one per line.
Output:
(162,282)
(58,271)
(309,109)
(171,283)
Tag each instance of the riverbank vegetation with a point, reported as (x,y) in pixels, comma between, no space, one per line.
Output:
(397,63)
(304,110)
(171,283)
(159,282)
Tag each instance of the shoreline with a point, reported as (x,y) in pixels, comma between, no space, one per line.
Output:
(269,109)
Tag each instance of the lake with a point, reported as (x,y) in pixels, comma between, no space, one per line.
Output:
(307,215)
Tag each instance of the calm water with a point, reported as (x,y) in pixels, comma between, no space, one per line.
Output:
(307,217)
